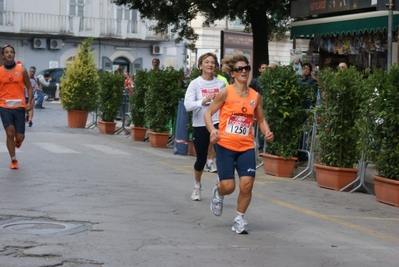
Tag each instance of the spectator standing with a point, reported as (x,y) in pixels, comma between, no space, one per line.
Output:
(13,79)
(255,83)
(200,92)
(238,105)
(155,63)
(307,80)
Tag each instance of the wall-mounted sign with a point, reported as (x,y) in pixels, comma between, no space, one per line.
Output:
(306,8)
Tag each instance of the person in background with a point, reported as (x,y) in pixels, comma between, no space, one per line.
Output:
(44,80)
(200,92)
(13,80)
(343,65)
(220,77)
(119,70)
(238,105)
(155,63)
(255,83)
(34,81)
(272,65)
(307,80)
(128,83)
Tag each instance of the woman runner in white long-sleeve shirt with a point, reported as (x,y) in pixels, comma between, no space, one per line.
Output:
(200,92)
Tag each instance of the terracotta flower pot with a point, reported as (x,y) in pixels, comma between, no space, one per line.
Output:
(138,133)
(77,118)
(278,166)
(158,140)
(386,190)
(106,127)
(334,178)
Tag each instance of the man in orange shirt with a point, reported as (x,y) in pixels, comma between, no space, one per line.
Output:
(13,79)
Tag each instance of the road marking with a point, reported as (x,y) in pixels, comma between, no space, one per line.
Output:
(54,148)
(325,217)
(328,218)
(108,150)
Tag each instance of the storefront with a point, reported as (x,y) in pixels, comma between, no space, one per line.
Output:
(360,39)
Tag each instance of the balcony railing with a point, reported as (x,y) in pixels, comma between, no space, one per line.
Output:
(17,22)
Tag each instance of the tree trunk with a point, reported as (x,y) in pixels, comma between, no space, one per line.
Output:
(259,24)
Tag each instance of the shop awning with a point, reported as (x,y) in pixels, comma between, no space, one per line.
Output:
(343,25)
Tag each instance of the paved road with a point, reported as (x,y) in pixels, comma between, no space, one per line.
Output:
(81,198)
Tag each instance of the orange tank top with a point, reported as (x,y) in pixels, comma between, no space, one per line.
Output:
(236,119)
(11,86)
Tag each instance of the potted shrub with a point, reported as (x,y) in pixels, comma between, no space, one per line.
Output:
(80,86)
(384,134)
(338,135)
(284,107)
(161,102)
(110,99)
(137,105)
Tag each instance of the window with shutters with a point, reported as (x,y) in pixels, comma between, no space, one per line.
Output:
(125,13)
(2,10)
(76,9)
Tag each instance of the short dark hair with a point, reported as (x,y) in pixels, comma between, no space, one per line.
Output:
(46,74)
(7,45)
(262,63)
(307,65)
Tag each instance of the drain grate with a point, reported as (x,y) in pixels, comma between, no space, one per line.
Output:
(42,227)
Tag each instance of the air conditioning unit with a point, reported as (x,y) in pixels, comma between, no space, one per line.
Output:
(157,50)
(39,43)
(55,44)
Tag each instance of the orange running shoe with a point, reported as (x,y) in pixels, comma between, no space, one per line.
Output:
(17,145)
(14,164)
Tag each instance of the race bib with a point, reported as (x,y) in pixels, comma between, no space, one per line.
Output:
(238,125)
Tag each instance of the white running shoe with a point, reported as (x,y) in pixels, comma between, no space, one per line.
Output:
(216,203)
(196,194)
(239,226)
(212,168)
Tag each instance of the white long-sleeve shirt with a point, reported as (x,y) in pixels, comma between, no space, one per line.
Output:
(197,90)
(43,81)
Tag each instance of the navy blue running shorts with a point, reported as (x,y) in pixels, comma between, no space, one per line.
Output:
(14,117)
(228,161)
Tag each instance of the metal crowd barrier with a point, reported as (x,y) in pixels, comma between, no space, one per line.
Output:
(310,151)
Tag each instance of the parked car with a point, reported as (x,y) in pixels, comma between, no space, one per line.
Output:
(56,75)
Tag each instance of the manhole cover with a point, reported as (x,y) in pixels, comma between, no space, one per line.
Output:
(36,227)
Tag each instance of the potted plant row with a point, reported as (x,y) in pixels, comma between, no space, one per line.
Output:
(155,102)
(338,133)
(110,99)
(384,141)
(137,105)
(284,107)
(80,86)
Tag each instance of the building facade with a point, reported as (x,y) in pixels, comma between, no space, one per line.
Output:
(210,41)
(46,34)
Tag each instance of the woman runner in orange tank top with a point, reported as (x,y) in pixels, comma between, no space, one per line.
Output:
(239,105)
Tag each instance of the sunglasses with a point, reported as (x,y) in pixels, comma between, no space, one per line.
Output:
(241,68)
